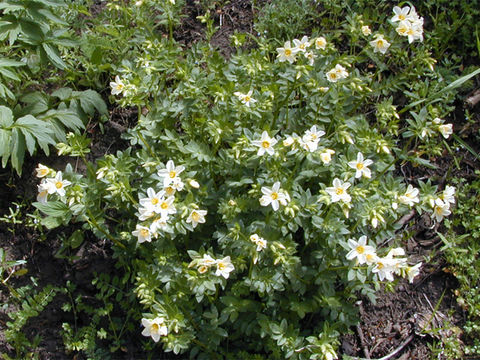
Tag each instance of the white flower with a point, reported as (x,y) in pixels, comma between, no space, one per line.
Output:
(246,99)
(205,263)
(42,171)
(326,155)
(337,73)
(448,195)
(446,130)
(311,138)
(288,141)
(170,173)
(142,233)
(154,328)
(338,192)
(160,223)
(287,53)
(359,250)
(441,209)
(224,267)
(196,217)
(320,43)
(177,184)
(311,57)
(361,166)
(259,241)
(413,271)
(265,144)
(380,44)
(410,197)
(384,268)
(145,213)
(274,196)
(366,30)
(401,14)
(301,45)
(194,183)
(42,191)
(57,184)
(153,200)
(166,207)
(117,86)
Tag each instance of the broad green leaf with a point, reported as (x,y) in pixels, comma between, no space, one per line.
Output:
(47,14)
(10,63)
(62,93)
(6,117)
(53,208)
(37,103)
(4,142)
(18,150)
(9,74)
(32,31)
(54,56)
(91,100)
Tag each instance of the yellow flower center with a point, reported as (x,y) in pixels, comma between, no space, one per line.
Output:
(401,17)
(43,171)
(154,201)
(380,43)
(221,266)
(164,205)
(333,75)
(202,269)
(169,190)
(380,266)
(247,98)
(155,327)
(274,196)
(339,191)
(144,232)
(59,184)
(370,257)
(172,174)
(119,86)
(195,216)
(360,249)
(266,144)
(288,52)
(359,166)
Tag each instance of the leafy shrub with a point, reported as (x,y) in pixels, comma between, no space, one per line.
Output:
(255,188)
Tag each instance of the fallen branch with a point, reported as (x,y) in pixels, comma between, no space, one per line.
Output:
(394,352)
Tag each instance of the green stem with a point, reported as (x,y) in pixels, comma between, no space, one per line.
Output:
(92,222)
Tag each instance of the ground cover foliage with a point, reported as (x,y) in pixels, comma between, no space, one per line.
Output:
(256,196)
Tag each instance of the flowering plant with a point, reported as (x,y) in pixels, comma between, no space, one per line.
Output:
(250,221)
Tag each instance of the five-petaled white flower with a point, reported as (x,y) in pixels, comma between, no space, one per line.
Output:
(448,195)
(361,166)
(154,328)
(384,268)
(311,138)
(337,73)
(338,192)
(401,14)
(246,99)
(57,184)
(224,267)
(413,271)
(380,44)
(117,86)
(441,209)
(42,170)
(274,196)
(366,30)
(326,155)
(320,43)
(301,45)
(205,263)
(196,217)
(153,201)
(287,53)
(142,233)
(259,241)
(166,207)
(265,144)
(360,250)
(170,173)
(42,195)
(410,197)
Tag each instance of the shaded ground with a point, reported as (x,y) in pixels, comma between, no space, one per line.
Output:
(396,320)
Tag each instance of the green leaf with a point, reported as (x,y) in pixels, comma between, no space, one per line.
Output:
(91,100)
(54,56)
(10,63)
(6,117)
(18,150)
(53,208)
(5,144)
